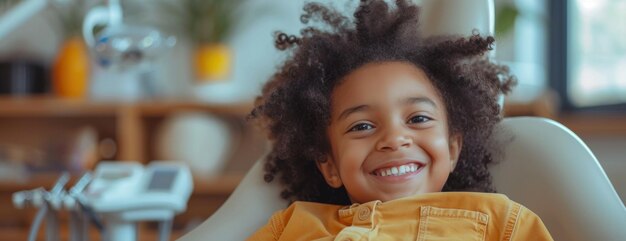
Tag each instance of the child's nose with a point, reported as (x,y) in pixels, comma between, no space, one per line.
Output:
(394,139)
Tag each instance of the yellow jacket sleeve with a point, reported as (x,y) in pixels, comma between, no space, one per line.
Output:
(273,229)
(530,227)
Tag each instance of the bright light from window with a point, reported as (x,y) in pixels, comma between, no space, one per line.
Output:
(597,52)
(590,5)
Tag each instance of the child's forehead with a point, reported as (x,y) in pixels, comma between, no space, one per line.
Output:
(381,81)
(386,68)
(391,71)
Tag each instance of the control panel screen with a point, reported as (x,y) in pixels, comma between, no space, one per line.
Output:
(162,179)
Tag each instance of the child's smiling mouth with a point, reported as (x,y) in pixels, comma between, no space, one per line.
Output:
(399,170)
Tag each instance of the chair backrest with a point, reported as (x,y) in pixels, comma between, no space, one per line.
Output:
(548,169)
(544,166)
(247,209)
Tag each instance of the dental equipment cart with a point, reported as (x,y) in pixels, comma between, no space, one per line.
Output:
(114,199)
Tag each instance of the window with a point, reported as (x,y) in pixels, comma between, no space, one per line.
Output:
(588,53)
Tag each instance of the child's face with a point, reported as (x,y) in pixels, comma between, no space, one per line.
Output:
(388,134)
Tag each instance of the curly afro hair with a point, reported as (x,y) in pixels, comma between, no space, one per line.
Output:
(294,106)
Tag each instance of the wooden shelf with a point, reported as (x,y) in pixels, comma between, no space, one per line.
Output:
(595,124)
(21,233)
(582,123)
(130,120)
(217,185)
(54,107)
(545,105)
(39,123)
(221,185)
(129,123)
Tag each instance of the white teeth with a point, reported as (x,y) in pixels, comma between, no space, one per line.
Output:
(397,171)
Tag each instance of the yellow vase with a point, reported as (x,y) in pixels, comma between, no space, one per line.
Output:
(213,62)
(70,71)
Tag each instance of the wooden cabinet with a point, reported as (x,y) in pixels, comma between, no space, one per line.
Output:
(42,125)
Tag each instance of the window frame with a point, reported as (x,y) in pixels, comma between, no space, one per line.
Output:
(558,59)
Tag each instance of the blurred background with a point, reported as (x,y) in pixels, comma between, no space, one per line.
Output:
(175,79)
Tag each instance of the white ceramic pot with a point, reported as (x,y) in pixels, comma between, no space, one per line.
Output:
(199,139)
(445,17)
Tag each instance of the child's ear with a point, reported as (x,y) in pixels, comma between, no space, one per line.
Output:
(455,145)
(330,172)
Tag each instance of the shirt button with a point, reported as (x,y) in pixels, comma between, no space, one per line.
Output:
(364,213)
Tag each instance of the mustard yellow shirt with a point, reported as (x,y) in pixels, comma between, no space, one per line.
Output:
(434,216)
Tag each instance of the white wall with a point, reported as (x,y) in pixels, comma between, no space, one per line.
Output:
(36,38)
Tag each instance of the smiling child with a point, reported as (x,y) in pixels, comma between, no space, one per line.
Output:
(381,134)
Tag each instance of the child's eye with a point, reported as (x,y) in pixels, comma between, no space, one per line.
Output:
(361,127)
(419,119)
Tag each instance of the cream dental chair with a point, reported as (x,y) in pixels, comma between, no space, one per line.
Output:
(544,166)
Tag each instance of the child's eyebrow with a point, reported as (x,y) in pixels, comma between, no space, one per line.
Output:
(419,100)
(351,110)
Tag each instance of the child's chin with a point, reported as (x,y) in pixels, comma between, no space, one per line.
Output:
(401,195)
